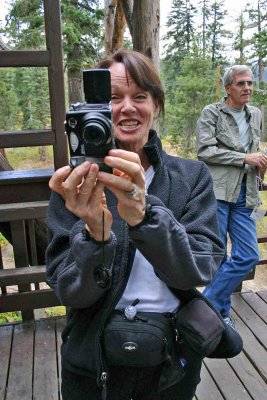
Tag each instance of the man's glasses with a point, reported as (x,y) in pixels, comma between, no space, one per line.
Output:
(243,83)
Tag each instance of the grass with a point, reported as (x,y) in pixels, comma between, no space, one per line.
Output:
(10,317)
(55,311)
(30,158)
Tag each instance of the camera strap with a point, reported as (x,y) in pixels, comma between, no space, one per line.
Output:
(101,273)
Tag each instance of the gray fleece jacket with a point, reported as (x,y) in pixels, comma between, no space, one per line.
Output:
(179,237)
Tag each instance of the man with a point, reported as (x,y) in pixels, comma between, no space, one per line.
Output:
(228,135)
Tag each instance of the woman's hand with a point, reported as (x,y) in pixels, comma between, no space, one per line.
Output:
(127,183)
(84,197)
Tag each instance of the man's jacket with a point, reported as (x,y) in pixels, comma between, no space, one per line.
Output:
(220,147)
(179,237)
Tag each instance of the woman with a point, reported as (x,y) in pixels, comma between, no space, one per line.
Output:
(150,227)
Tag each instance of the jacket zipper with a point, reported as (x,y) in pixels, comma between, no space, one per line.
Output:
(103,368)
(103,378)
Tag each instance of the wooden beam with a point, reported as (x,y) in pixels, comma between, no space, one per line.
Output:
(28,300)
(25,58)
(41,137)
(23,211)
(17,276)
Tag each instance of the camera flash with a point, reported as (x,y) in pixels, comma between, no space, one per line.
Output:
(74,141)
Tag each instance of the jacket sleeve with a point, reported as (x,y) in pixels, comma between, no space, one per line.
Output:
(185,253)
(209,149)
(72,258)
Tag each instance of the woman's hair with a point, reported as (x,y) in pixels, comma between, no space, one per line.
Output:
(141,69)
(234,70)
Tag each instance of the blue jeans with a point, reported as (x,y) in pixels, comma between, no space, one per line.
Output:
(234,218)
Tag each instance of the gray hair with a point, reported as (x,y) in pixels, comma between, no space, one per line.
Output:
(235,70)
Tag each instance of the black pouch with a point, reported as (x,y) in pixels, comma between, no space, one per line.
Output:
(144,341)
(199,326)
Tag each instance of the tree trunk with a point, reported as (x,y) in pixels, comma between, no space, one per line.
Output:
(4,164)
(110,7)
(261,70)
(75,85)
(119,28)
(146,23)
(127,6)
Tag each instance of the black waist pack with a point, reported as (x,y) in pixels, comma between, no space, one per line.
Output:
(144,341)
(199,326)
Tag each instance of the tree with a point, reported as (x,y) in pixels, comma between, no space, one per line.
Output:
(194,87)
(142,16)
(81,30)
(115,24)
(180,32)
(215,31)
(8,100)
(240,43)
(258,18)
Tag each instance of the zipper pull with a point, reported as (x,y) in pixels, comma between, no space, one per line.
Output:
(131,311)
(104,377)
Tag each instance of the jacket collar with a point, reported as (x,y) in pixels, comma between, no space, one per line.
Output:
(223,107)
(153,149)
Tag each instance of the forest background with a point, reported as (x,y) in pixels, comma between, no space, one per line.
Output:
(199,40)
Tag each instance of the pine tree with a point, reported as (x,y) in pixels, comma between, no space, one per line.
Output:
(179,37)
(193,89)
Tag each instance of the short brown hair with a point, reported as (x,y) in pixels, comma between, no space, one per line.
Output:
(142,71)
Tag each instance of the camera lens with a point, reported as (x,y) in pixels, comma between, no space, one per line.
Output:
(96,129)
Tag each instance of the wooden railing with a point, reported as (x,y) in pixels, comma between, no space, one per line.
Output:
(29,277)
(30,292)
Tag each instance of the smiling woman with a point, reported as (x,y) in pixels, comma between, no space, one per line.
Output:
(120,240)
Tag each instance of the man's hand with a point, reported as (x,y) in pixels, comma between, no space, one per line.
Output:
(257,159)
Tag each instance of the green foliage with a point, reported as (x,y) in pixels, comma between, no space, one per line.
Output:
(81,26)
(25,24)
(260,94)
(178,38)
(59,311)
(3,240)
(215,32)
(8,100)
(194,87)
(10,317)
(82,38)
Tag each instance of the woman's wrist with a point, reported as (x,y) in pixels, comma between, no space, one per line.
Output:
(97,236)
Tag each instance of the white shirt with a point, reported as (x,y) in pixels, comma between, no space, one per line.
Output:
(143,284)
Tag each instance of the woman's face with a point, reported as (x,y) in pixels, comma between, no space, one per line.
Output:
(133,110)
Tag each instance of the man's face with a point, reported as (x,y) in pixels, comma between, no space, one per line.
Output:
(240,91)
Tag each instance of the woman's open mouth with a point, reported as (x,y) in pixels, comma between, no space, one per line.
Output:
(129,124)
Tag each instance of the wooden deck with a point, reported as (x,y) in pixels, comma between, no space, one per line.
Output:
(30,358)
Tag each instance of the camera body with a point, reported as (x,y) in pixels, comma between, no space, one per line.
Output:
(89,126)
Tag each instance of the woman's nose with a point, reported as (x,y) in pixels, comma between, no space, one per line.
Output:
(128,105)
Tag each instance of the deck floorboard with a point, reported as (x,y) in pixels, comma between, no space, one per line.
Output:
(30,358)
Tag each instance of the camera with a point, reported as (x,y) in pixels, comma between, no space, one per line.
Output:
(89,125)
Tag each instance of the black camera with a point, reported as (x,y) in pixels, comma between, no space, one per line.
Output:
(89,126)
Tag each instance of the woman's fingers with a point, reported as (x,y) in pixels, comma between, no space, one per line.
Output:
(126,164)
(56,181)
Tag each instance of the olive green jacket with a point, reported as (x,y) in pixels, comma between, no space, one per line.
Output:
(219,146)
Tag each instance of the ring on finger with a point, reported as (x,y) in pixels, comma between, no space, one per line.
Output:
(133,194)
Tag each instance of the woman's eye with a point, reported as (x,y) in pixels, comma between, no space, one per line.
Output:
(141,96)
